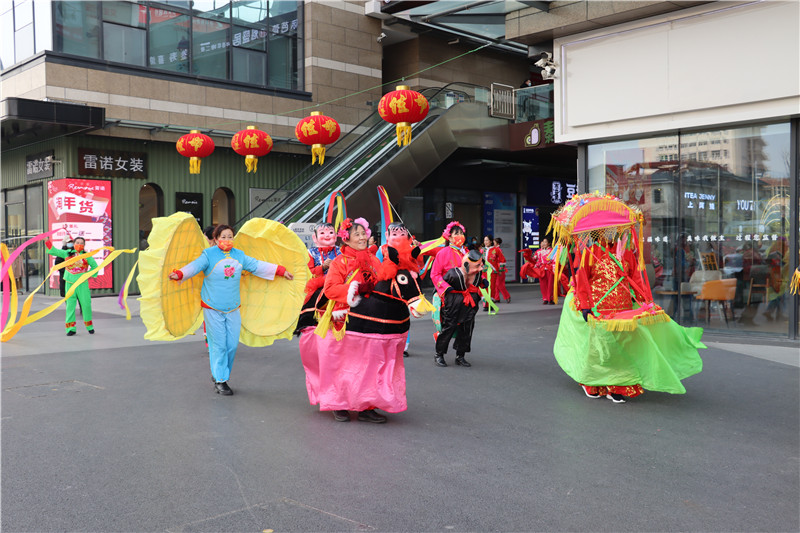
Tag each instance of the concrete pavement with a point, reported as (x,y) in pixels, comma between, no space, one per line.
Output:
(113,433)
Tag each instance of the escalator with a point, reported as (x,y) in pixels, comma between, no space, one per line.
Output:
(368,156)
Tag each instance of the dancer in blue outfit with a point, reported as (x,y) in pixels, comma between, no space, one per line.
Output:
(220,298)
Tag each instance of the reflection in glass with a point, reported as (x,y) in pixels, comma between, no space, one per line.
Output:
(125,13)
(282,58)
(6,39)
(169,40)
(249,66)
(211,42)
(123,44)
(214,9)
(77,28)
(716,234)
(254,11)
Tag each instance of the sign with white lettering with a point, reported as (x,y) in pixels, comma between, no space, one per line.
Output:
(112,163)
(39,166)
(192,203)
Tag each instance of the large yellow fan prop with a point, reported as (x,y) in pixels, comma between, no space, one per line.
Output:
(168,309)
(270,309)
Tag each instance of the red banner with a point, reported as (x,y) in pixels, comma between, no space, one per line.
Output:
(84,207)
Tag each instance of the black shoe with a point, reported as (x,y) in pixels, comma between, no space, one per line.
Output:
(405,353)
(371,416)
(222,388)
(508,300)
(485,308)
(91,332)
(460,361)
(70,333)
(616,398)
(439,360)
(341,416)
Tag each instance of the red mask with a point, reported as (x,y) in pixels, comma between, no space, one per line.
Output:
(79,248)
(458,240)
(225,246)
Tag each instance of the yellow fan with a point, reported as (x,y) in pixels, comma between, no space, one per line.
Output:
(170,310)
(270,309)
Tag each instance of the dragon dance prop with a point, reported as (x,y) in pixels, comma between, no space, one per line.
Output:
(269,310)
(12,327)
(580,227)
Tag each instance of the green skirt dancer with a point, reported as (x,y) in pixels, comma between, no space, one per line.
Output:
(655,355)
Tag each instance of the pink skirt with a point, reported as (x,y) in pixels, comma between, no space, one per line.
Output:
(362,371)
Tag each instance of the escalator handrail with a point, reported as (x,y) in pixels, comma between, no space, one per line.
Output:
(304,173)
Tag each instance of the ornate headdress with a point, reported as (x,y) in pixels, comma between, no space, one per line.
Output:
(449,229)
(344,228)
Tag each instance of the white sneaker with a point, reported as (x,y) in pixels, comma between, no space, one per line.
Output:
(590,395)
(616,398)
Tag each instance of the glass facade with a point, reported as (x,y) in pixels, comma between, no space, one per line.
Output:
(717,211)
(250,41)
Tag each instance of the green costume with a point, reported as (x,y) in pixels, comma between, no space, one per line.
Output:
(82,293)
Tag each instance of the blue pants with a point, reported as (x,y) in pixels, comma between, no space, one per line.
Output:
(222,330)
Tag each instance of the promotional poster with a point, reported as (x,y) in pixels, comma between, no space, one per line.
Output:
(84,207)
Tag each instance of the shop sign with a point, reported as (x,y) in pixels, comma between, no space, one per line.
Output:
(39,166)
(550,192)
(112,163)
(265,200)
(500,219)
(530,135)
(700,200)
(192,203)
(530,227)
(82,208)
(304,230)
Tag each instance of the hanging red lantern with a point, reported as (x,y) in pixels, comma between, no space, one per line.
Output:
(403,107)
(195,146)
(317,131)
(252,144)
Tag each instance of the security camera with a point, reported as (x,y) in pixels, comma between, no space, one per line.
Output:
(549,72)
(542,63)
(381,37)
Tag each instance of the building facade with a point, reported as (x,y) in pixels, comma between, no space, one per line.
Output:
(667,114)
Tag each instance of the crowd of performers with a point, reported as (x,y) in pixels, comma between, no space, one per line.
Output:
(354,324)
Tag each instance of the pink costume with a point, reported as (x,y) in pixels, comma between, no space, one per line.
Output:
(447,258)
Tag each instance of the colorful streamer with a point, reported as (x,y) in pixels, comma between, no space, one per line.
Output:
(7,265)
(335,201)
(11,329)
(123,294)
(386,209)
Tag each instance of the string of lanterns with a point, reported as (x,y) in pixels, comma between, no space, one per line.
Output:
(402,107)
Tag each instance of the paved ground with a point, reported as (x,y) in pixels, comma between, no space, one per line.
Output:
(113,433)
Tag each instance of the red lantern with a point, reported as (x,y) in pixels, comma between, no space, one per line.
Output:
(317,130)
(403,107)
(252,144)
(195,146)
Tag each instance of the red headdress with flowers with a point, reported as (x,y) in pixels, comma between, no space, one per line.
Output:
(449,229)
(344,228)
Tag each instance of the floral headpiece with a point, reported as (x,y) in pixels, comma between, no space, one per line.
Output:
(344,228)
(449,229)
(365,224)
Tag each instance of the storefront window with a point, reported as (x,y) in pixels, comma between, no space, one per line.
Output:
(716,235)
(169,40)
(77,28)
